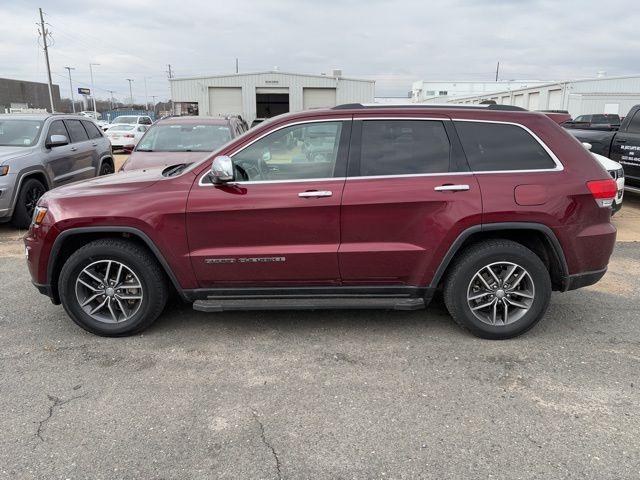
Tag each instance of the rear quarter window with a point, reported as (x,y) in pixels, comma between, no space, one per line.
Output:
(497,147)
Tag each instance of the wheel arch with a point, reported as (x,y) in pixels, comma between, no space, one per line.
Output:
(536,236)
(103,159)
(69,240)
(38,174)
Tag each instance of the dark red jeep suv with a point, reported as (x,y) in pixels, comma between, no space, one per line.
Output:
(351,207)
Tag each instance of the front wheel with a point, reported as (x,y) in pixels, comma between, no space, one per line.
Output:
(498,289)
(113,288)
(28,196)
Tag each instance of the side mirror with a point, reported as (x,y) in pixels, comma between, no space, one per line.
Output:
(57,141)
(221,170)
(587,145)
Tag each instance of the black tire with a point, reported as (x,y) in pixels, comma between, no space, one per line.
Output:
(474,258)
(134,257)
(30,192)
(106,168)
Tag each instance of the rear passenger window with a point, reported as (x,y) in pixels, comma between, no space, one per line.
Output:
(76,131)
(495,147)
(403,147)
(92,129)
(634,124)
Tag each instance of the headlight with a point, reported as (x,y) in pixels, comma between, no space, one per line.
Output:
(4,169)
(38,215)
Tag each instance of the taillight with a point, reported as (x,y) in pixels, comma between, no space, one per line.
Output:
(603,191)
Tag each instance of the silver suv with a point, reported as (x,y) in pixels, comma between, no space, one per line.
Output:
(40,152)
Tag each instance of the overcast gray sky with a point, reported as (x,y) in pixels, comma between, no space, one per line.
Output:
(392,42)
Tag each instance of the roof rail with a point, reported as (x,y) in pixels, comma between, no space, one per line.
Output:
(358,106)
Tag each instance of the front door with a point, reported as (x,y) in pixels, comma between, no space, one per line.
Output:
(278,223)
(626,150)
(407,197)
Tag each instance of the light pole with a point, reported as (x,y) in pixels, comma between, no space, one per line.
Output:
(73,103)
(111,92)
(93,93)
(130,90)
(153,99)
(146,98)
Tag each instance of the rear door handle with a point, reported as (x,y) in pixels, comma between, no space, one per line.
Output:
(451,188)
(621,140)
(315,194)
(73,149)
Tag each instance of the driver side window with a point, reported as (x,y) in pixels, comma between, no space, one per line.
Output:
(298,152)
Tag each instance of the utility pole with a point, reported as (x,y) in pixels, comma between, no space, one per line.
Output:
(169,71)
(497,70)
(44,32)
(130,91)
(111,92)
(153,98)
(73,103)
(93,92)
(146,97)
(236,64)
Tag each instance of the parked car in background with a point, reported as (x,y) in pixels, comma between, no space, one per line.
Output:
(617,173)
(125,137)
(558,116)
(182,140)
(622,145)
(131,120)
(43,151)
(604,121)
(495,206)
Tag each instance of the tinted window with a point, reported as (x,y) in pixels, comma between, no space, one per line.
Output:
(92,130)
(400,147)
(145,121)
(57,128)
(634,124)
(297,152)
(493,146)
(76,131)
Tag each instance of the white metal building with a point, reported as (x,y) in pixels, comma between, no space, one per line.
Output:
(266,94)
(578,97)
(442,91)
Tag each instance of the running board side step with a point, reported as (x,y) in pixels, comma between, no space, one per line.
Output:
(222,305)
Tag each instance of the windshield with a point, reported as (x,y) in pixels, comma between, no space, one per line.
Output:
(19,133)
(189,137)
(124,119)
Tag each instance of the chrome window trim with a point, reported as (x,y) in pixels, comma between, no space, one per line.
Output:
(558,168)
(293,124)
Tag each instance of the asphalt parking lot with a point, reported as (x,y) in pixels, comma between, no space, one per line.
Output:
(339,394)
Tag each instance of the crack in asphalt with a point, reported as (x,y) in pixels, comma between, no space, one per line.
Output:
(57,402)
(268,445)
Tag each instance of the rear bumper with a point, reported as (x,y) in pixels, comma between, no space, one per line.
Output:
(585,279)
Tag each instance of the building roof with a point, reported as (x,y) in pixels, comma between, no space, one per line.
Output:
(270,72)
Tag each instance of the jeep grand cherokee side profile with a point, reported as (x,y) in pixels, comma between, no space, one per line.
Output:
(350,207)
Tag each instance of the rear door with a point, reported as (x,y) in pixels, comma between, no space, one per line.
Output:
(626,150)
(407,197)
(278,224)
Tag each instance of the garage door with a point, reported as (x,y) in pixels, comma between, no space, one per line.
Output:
(506,100)
(225,100)
(518,100)
(555,100)
(318,97)
(534,100)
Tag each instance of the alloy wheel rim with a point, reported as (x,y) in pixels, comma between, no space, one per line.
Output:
(500,293)
(109,291)
(32,197)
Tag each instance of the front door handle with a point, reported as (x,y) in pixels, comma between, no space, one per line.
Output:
(315,194)
(451,188)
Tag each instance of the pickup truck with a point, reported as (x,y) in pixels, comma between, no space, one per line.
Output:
(622,145)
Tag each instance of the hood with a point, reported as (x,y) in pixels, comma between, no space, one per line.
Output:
(140,160)
(8,153)
(115,184)
(607,163)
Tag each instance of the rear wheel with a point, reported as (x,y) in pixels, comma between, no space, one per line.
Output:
(30,192)
(112,287)
(106,168)
(497,289)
